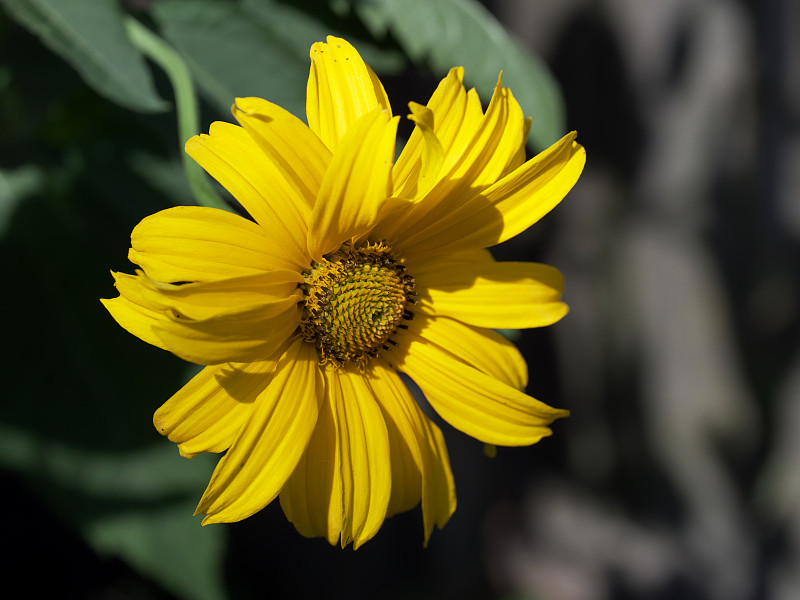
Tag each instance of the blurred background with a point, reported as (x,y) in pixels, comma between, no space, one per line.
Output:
(677,475)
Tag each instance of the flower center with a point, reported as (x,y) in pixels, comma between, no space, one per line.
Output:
(355,299)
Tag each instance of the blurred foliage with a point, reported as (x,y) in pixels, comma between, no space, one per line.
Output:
(90,36)
(89,148)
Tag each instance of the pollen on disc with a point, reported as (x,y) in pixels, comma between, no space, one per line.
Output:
(355,299)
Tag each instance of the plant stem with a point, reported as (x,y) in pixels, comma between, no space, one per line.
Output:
(152,46)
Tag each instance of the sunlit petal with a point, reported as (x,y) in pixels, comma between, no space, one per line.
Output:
(341,90)
(270,443)
(356,184)
(206,414)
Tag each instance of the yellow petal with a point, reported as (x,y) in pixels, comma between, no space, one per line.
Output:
(420,465)
(201,322)
(195,243)
(246,336)
(487,351)
(356,184)
(518,159)
(422,175)
(274,437)
(312,498)
(205,300)
(464,129)
(495,142)
(531,191)
(341,488)
(503,210)
(366,463)
(131,313)
(406,474)
(206,414)
(341,89)
(296,156)
(456,116)
(491,294)
(471,401)
(467,169)
(232,157)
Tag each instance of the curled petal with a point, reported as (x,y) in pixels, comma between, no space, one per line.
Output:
(204,300)
(234,337)
(455,115)
(201,323)
(416,180)
(131,313)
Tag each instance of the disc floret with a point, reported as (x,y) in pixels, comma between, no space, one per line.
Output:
(355,299)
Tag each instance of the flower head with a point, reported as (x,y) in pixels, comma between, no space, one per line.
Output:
(354,268)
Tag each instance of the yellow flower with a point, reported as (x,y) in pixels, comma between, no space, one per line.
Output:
(354,268)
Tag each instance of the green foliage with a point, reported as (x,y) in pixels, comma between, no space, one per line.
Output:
(252,48)
(231,54)
(89,35)
(135,504)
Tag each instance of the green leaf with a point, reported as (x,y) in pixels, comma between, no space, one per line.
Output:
(255,48)
(302,23)
(168,177)
(137,506)
(167,545)
(15,186)
(231,54)
(185,105)
(89,35)
(447,33)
